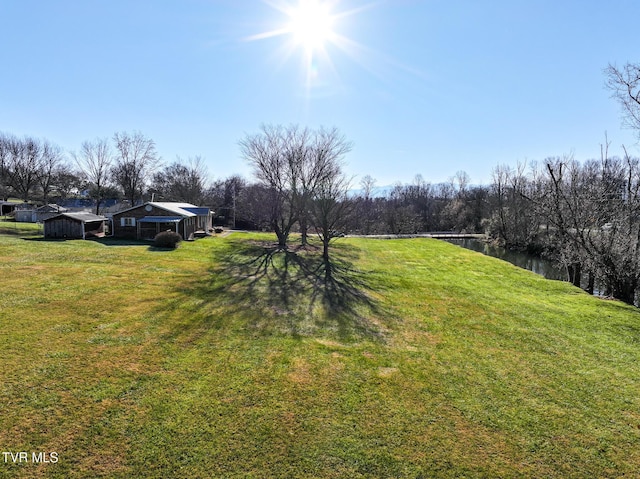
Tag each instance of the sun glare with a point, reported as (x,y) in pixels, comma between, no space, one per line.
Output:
(311,24)
(311,27)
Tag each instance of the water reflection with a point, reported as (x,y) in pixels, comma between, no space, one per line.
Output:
(533,263)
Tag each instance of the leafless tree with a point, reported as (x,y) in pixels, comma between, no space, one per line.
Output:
(363,221)
(252,206)
(593,211)
(625,86)
(24,165)
(5,140)
(367,183)
(291,162)
(51,159)
(400,214)
(513,220)
(183,181)
(499,225)
(67,180)
(272,155)
(95,160)
(320,166)
(330,209)
(136,160)
(238,203)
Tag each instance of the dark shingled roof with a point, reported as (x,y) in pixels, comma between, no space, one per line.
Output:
(84,217)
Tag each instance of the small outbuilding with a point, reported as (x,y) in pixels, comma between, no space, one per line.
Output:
(8,207)
(47,211)
(74,226)
(24,214)
(30,214)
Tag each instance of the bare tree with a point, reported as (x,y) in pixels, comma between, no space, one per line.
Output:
(5,140)
(252,206)
(499,225)
(400,212)
(51,159)
(238,203)
(95,160)
(330,210)
(367,183)
(135,162)
(320,165)
(365,204)
(270,154)
(513,221)
(291,163)
(182,181)
(625,84)
(594,215)
(24,165)
(67,180)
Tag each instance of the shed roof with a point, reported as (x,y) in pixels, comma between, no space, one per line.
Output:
(83,217)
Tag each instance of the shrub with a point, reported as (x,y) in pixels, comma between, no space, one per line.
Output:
(167,239)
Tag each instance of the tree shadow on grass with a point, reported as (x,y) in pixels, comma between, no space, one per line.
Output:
(265,290)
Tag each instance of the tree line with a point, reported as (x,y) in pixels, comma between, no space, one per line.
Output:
(126,166)
(586,216)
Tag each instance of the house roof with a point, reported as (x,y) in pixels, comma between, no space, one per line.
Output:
(51,208)
(198,210)
(83,217)
(181,209)
(178,208)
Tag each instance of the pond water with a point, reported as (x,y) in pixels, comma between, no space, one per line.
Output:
(536,264)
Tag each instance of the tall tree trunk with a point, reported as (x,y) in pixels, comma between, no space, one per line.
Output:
(304,227)
(591,283)
(325,249)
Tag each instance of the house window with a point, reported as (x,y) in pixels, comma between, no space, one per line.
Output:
(127,221)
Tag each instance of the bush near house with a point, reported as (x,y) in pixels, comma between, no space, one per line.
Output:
(167,239)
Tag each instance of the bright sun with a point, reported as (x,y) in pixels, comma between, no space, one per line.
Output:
(311,24)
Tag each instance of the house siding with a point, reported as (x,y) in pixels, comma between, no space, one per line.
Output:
(186,227)
(131,232)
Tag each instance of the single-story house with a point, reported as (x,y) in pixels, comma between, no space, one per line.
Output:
(75,226)
(147,220)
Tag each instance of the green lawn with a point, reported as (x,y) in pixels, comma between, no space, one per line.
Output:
(11,227)
(225,358)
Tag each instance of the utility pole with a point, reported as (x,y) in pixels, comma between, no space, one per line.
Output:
(234,205)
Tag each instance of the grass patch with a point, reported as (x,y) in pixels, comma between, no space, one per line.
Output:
(10,227)
(229,358)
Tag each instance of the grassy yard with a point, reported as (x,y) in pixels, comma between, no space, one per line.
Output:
(225,358)
(10,227)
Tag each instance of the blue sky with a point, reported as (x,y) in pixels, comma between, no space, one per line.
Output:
(425,87)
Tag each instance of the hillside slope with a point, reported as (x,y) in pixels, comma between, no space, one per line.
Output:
(226,358)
